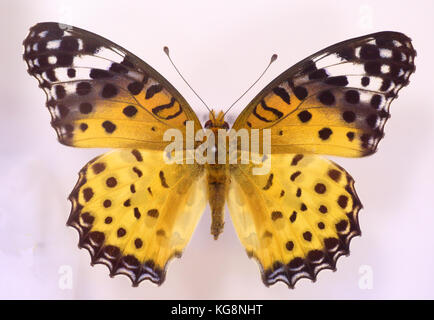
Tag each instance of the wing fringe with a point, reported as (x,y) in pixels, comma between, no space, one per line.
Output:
(109,255)
(316,260)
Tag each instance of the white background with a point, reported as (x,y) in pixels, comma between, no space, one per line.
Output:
(221,47)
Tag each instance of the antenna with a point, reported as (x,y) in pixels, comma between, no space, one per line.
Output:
(166,51)
(273,58)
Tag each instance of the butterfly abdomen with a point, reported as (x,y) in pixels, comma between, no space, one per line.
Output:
(218,182)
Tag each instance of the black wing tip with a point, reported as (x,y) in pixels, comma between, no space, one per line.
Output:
(390,33)
(54,28)
(49,25)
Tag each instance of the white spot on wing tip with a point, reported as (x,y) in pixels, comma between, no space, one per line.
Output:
(56,112)
(52,59)
(396,43)
(385,68)
(43,34)
(53,44)
(386,53)
(80,44)
(357,52)
(65,27)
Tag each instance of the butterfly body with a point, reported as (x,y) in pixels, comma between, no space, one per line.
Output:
(217,175)
(135,211)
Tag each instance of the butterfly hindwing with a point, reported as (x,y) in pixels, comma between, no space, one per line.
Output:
(134,212)
(99,94)
(296,220)
(336,101)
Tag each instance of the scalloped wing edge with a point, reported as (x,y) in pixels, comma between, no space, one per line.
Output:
(109,255)
(316,260)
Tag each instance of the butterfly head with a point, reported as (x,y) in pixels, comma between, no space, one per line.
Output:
(216,121)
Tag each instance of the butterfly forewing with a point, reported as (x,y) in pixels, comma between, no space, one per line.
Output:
(336,101)
(99,94)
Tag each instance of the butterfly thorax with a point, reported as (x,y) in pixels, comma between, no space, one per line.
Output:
(216,122)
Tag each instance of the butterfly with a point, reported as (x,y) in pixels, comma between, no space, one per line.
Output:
(134,212)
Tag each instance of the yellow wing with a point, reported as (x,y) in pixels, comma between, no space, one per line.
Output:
(134,212)
(99,94)
(296,220)
(299,218)
(336,101)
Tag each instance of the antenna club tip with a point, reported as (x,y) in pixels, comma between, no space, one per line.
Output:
(166,50)
(273,58)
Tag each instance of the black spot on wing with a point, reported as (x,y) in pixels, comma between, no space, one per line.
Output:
(304,116)
(100,74)
(296,159)
(300,92)
(135,87)
(325,133)
(136,153)
(346,53)
(326,97)
(341,81)
(352,96)
(109,91)
(129,111)
(83,88)
(283,94)
(255,113)
(318,74)
(159,109)
(264,106)
(152,90)
(118,68)
(369,52)
(163,180)
(269,182)
(69,43)
(109,126)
